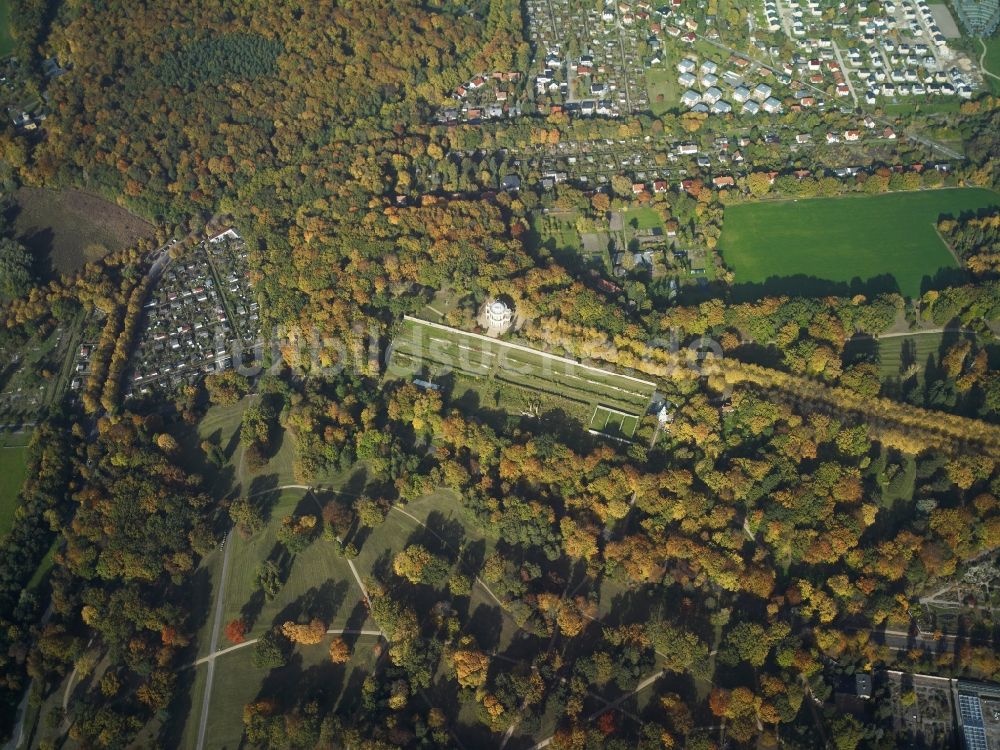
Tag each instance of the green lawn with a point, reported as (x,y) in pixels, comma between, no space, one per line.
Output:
(324,581)
(662,80)
(845,238)
(613,423)
(12,471)
(643,218)
(316,574)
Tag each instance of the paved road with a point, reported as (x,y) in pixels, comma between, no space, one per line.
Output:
(846,73)
(216,624)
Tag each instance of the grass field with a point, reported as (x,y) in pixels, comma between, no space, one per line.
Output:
(316,576)
(6,38)
(554,232)
(68,228)
(420,347)
(662,81)
(13,452)
(643,218)
(238,682)
(319,583)
(991,62)
(842,239)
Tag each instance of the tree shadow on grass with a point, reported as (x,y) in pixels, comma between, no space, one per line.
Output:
(40,242)
(802,285)
(355,621)
(179,710)
(382,566)
(439,533)
(861,348)
(355,485)
(567,429)
(473,555)
(263,494)
(486,624)
(250,611)
(321,602)
(944,277)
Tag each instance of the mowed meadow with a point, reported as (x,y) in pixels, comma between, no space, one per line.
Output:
(851,237)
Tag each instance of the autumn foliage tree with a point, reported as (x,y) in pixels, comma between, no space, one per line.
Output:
(340,652)
(236,631)
(306,634)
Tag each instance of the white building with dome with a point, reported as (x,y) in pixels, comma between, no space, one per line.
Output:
(496,317)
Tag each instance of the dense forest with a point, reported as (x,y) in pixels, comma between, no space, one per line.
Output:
(795,505)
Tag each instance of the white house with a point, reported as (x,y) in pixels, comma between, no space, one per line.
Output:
(712,95)
(687,66)
(690,98)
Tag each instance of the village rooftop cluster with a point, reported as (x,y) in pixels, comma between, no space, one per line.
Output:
(901,51)
(201,308)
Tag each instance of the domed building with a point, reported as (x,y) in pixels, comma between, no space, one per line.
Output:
(496,316)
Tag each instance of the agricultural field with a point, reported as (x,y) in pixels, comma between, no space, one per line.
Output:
(827,243)
(67,229)
(424,350)
(13,454)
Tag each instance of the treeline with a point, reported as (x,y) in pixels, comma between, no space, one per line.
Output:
(901,426)
(134,315)
(100,360)
(42,508)
(976,240)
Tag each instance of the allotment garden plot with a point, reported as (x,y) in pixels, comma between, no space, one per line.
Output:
(428,351)
(613,422)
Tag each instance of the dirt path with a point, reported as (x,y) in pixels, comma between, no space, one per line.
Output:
(244,644)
